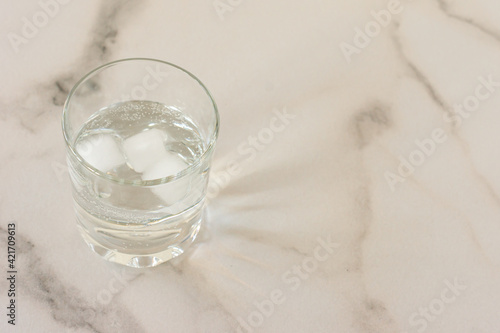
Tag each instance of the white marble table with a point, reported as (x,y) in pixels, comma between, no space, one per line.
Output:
(372,205)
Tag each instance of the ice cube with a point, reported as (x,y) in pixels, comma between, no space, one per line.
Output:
(170,164)
(145,149)
(172,192)
(101,151)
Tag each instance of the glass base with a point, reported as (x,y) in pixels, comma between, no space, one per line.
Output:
(141,246)
(140,260)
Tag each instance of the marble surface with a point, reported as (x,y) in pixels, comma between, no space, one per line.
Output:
(374,208)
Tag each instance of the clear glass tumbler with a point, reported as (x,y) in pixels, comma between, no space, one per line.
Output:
(140,134)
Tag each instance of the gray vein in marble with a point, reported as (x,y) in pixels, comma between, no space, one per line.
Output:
(482,179)
(371,123)
(106,29)
(63,86)
(67,307)
(432,92)
(268,237)
(445,8)
(103,38)
(62,89)
(421,77)
(32,120)
(439,101)
(371,315)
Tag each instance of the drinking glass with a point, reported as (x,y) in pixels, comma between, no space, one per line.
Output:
(140,135)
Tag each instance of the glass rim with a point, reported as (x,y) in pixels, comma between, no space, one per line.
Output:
(123,181)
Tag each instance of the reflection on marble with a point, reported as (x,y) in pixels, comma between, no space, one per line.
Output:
(420,256)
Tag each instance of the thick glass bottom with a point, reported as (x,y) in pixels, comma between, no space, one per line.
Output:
(141,245)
